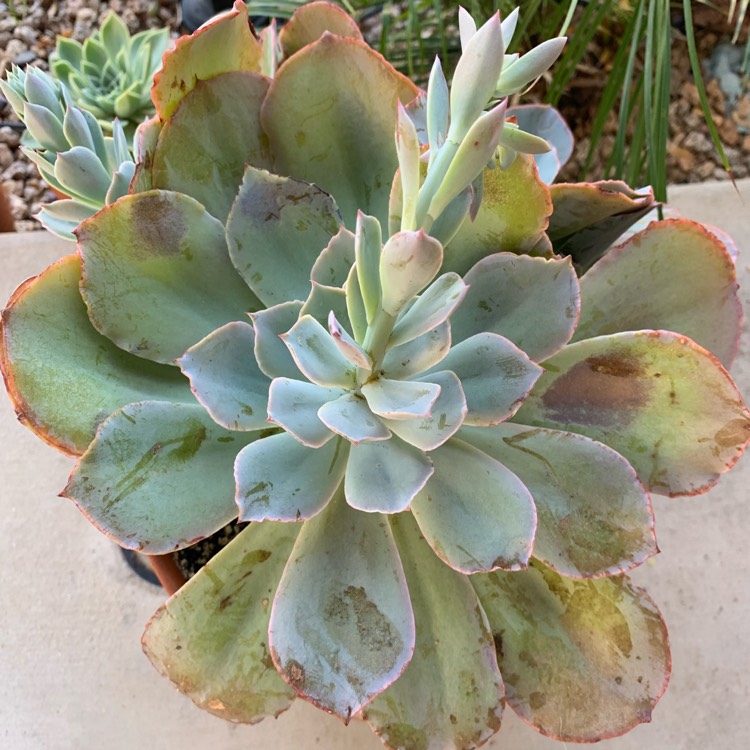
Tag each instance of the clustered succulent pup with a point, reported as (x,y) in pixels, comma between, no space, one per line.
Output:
(412,365)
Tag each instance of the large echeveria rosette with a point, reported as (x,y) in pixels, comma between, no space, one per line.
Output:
(366,415)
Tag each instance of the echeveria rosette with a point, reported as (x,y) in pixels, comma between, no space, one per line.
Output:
(370,399)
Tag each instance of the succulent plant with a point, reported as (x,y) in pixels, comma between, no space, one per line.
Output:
(443,415)
(69,148)
(111,73)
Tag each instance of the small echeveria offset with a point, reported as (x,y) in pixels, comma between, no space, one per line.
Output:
(87,168)
(111,73)
(352,313)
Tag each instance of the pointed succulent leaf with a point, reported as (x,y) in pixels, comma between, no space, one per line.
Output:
(121,181)
(453,638)
(42,91)
(197,154)
(350,417)
(446,417)
(76,129)
(582,660)
(546,122)
(594,516)
(529,67)
(347,345)
(342,627)
(316,354)
(446,226)
(226,379)
(316,112)
(271,353)
(311,20)
(279,479)
(491,526)
(475,77)
(400,399)
(407,147)
(151,451)
(367,250)
(467,27)
(63,216)
(512,217)
(223,45)
(355,305)
(531,301)
(438,108)
(324,300)
(508,27)
(476,149)
(47,343)
(384,476)
(419,354)
(211,638)
(496,376)
(333,264)
(45,128)
(589,217)
(276,230)
(79,170)
(656,397)
(519,140)
(434,306)
(684,281)
(408,263)
(294,404)
(151,265)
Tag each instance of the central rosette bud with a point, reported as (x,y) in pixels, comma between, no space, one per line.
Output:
(373,384)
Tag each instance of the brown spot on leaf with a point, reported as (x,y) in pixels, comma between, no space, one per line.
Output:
(159,227)
(735,433)
(296,674)
(601,391)
(225,602)
(537,700)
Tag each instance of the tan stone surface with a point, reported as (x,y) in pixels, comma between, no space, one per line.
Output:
(72,675)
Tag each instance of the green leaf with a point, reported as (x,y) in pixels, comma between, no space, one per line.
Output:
(47,343)
(211,638)
(225,44)
(316,354)
(582,661)
(419,354)
(294,405)
(400,399)
(531,301)
(656,397)
(433,307)
(332,109)
(496,376)
(80,171)
(588,217)
(276,230)
(350,416)
(342,628)
(45,128)
(345,343)
(271,353)
(684,281)
(385,475)
(152,263)
(197,154)
(61,217)
(367,249)
(407,146)
(158,476)
(408,263)
(475,513)
(323,301)
(332,266)
(355,305)
(310,21)
(225,378)
(451,694)
(512,217)
(594,516)
(279,479)
(446,417)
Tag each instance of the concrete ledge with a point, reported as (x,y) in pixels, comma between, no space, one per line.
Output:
(74,677)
